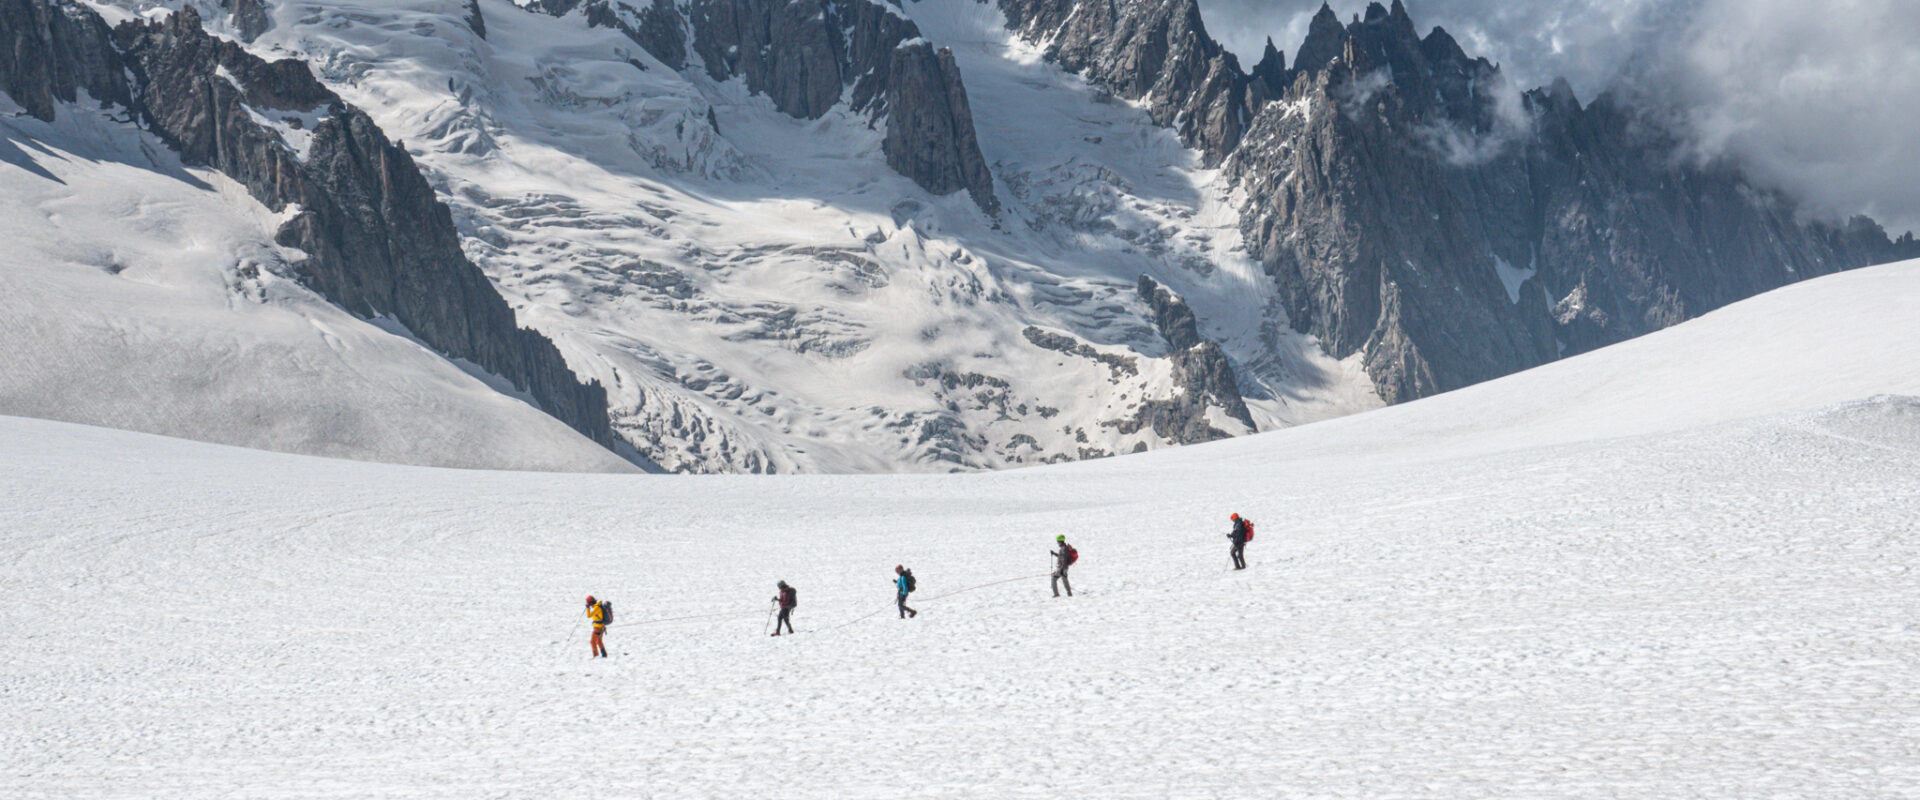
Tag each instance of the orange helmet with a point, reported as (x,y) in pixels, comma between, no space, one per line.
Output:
(1235,517)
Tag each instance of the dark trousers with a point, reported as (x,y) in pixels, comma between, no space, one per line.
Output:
(1059,578)
(1240,555)
(904,610)
(784,613)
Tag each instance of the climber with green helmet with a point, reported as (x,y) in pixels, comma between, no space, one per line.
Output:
(1062,559)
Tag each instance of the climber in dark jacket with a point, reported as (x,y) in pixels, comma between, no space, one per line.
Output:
(787,600)
(903,583)
(1238,536)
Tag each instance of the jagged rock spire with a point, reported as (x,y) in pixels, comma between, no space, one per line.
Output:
(1325,39)
(1272,70)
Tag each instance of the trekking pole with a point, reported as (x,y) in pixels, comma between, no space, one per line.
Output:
(770,607)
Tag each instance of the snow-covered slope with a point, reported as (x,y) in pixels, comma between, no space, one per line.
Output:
(1647,592)
(139,294)
(762,293)
(1823,341)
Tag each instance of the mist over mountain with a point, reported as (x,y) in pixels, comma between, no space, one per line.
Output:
(1815,98)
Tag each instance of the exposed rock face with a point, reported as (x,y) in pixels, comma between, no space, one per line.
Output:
(378,241)
(658,27)
(1200,367)
(558,8)
(1325,38)
(476,22)
(250,18)
(1271,73)
(1171,315)
(1118,365)
(805,55)
(925,131)
(793,52)
(1411,206)
(51,52)
(1156,51)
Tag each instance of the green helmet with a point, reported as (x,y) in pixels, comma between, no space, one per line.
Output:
(1060,538)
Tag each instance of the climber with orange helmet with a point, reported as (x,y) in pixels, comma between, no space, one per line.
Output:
(1242,532)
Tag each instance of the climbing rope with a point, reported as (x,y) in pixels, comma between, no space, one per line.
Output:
(883,609)
(721,615)
(869,615)
(983,586)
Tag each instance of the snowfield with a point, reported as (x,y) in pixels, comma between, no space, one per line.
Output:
(1681,567)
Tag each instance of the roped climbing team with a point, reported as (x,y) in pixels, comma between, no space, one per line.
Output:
(1063,557)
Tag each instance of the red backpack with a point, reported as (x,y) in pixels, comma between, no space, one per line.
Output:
(1073,556)
(1249,524)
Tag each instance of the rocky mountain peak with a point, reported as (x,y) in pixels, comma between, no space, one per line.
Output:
(1446,235)
(1269,77)
(1272,69)
(1441,50)
(1401,21)
(1326,37)
(1562,92)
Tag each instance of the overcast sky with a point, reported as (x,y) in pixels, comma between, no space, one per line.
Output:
(1821,97)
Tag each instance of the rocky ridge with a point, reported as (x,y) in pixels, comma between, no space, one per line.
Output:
(250,17)
(1157,52)
(1201,372)
(1411,206)
(378,241)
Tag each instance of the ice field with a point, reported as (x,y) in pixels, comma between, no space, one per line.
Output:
(1679,567)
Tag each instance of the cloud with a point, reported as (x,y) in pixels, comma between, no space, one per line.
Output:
(1820,99)
(1511,124)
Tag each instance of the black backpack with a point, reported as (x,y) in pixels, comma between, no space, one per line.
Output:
(606,612)
(911,585)
(792,597)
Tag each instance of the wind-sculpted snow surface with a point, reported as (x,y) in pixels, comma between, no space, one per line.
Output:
(1715,607)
